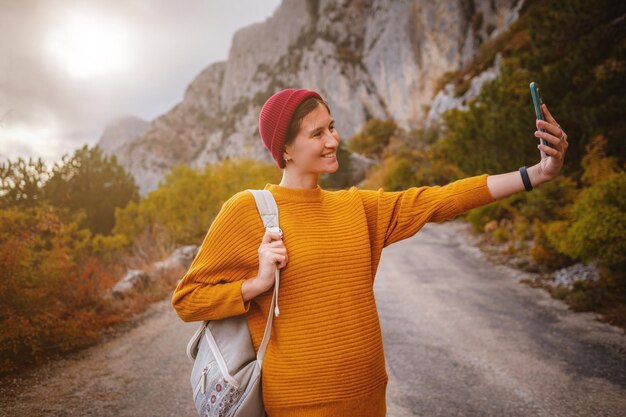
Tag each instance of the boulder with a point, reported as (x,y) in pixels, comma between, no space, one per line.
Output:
(134,279)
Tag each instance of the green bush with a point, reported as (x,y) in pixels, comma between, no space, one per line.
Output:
(550,201)
(543,251)
(91,182)
(181,209)
(597,224)
(373,138)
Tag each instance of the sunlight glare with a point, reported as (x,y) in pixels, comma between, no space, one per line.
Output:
(89,45)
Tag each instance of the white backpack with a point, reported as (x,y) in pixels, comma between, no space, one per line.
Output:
(226,374)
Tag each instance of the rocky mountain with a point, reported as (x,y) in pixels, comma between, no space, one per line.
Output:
(120,132)
(368,58)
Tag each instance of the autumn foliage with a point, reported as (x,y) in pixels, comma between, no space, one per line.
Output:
(69,233)
(50,286)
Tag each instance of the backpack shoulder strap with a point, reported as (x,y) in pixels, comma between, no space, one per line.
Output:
(267,207)
(266,204)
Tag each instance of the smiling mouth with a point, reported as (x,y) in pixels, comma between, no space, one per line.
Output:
(329,155)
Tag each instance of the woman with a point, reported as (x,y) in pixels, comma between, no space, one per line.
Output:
(325,356)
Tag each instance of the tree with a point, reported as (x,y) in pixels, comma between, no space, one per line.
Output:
(21,182)
(94,183)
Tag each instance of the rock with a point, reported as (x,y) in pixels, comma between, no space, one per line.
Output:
(446,99)
(566,277)
(136,279)
(121,131)
(133,280)
(181,257)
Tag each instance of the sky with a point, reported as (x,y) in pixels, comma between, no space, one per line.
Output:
(68,68)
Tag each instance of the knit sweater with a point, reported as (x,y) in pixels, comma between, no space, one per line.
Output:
(325,356)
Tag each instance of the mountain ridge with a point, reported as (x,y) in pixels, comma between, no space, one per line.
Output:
(378,58)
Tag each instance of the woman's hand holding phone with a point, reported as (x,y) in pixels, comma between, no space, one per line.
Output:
(554,140)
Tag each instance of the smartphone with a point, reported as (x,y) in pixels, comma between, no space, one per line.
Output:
(535,92)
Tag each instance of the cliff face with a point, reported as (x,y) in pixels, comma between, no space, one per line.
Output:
(368,58)
(120,132)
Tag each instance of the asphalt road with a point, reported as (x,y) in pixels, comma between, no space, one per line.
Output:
(462,338)
(465,338)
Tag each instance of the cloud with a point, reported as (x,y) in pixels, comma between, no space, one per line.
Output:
(167,46)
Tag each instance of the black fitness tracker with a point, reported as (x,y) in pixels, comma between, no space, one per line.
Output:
(525,178)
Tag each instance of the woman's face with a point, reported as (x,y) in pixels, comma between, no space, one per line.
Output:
(314,147)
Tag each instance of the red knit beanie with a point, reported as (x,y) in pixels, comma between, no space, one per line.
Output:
(275,117)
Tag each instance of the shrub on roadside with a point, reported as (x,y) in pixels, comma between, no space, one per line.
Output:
(50,286)
(597,224)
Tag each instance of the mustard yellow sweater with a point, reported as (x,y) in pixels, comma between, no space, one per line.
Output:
(325,356)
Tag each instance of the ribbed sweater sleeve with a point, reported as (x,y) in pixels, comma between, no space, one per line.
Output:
(211,287)
(396,215)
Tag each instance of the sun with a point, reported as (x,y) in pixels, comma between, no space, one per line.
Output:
(88,45)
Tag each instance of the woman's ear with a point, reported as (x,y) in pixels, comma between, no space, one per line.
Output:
(286,156)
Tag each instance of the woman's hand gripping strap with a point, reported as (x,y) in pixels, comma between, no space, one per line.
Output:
(276,229)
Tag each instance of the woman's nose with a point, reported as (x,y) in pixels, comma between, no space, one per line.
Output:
(331,140)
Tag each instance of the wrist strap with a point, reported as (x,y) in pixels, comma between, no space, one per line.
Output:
(525,178)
